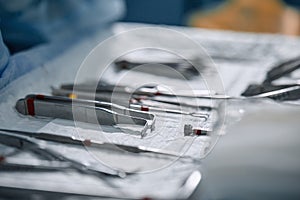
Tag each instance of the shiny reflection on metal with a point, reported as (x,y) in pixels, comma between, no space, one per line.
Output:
(190,185)
(32,145)
(96,143)
(204,116)
(63,108)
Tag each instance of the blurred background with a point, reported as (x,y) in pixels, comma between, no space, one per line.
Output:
(267,16)
(27,23)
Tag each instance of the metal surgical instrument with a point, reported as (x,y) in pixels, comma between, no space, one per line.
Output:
(30,144)
(137,104)
(181,66)
(62,107)
(146,90)
(92,143)
(185,191)
(145,94)
(282,69)
(126,98)
(189,130)
(190,184)
(101,104)
(277,92)
(171,111)
(286,93)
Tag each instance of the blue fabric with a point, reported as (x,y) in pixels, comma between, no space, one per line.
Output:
(4,55)
(54,24)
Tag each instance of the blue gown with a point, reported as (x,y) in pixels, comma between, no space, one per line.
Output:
(51,26)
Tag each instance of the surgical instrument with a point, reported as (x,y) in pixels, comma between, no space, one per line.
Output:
(64,108)
(185,190)
(136,104)
(255,89)
(41,166)
(30,144)
(189,130)
(92,143)
(282,69)
(127,100)
(287,91)
(183,68)
(150,93)
(145,90)
(279,95)
(204,116)
(157,63)
(101,104)
(172,101)
(190,184)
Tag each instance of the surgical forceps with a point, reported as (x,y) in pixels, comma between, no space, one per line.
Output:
(62,107)
(61,162)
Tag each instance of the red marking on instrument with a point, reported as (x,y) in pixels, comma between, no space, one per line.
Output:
(146,198)
(157,93)
(40,96)
(30,106)
(198,132)
(2,159)
(87,142)
(145,108)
